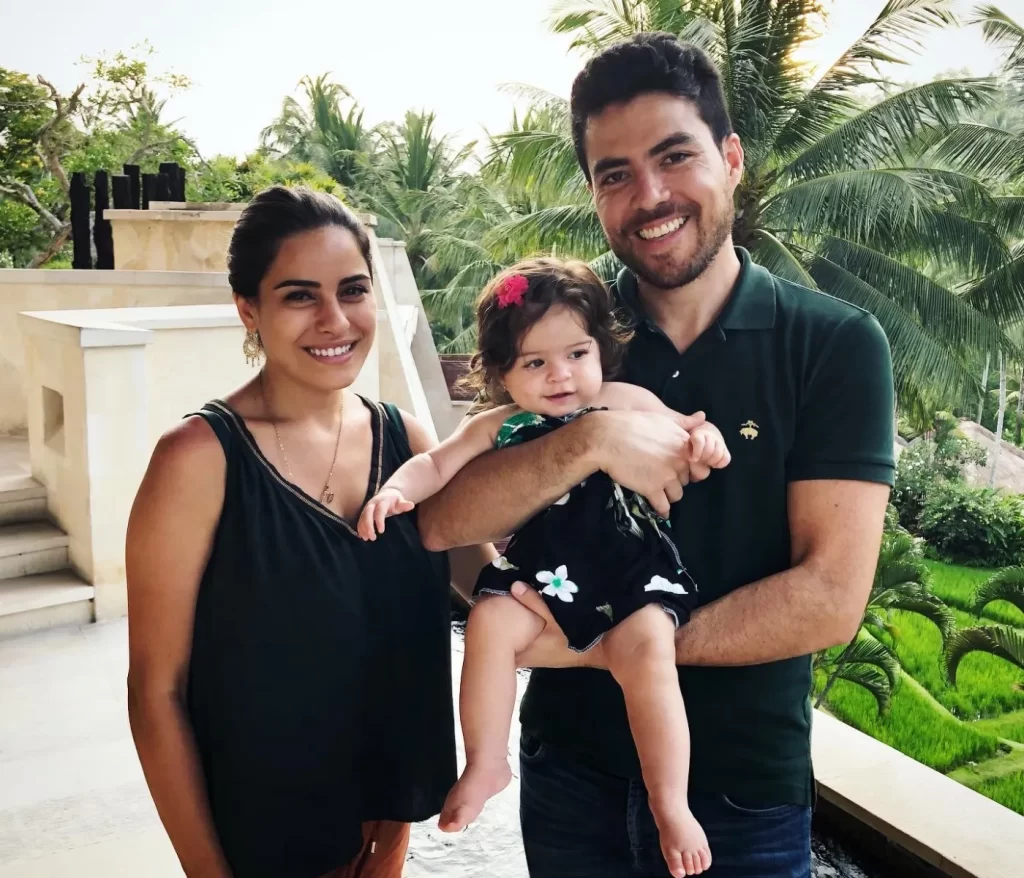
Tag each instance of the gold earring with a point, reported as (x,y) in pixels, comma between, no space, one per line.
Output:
(252,347)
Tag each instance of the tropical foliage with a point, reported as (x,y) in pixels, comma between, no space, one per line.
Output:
(901,583)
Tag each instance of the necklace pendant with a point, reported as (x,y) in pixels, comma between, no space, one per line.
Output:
(327,497)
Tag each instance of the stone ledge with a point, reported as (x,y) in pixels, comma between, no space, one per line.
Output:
(112,278)
(119,327)
(945,824)
(180,216)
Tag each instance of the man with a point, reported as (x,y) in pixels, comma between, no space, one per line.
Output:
(783,543)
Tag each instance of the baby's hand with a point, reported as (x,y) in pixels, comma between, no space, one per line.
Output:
(707,446)
(384,504)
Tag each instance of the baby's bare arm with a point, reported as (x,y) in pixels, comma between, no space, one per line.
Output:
(427,473)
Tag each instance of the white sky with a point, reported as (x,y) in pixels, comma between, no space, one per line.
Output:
(450,56)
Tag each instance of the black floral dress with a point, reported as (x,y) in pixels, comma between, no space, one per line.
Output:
(597,555)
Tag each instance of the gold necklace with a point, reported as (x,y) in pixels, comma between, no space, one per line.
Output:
(326,495)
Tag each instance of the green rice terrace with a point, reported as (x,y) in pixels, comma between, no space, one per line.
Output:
(973,731)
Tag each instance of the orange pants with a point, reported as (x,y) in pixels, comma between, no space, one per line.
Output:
(382,854)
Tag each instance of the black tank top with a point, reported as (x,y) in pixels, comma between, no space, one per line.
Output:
(320,678)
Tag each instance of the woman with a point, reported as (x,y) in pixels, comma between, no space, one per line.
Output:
(289,684)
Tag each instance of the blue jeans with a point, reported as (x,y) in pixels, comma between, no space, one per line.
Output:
(581,823)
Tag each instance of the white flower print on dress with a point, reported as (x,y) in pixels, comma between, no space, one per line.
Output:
(557,584)
(660,583)
(502,563)
(561,501)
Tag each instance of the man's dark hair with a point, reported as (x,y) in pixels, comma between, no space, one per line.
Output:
(644,64)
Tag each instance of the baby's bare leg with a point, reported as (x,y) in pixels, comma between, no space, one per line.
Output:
(641,656)
(499,627)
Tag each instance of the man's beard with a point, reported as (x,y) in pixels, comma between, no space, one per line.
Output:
(671,274)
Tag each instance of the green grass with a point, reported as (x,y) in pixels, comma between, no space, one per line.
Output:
(1009,726)
(987,686)
(1007,790)
(957,585)
(914,726)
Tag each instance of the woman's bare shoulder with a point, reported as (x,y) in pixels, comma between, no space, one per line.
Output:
(187,464)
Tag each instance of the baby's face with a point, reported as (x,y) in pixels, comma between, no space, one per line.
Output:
(559,366)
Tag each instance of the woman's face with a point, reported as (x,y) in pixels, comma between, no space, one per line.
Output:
(316,313)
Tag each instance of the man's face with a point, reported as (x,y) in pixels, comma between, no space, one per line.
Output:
(662,186)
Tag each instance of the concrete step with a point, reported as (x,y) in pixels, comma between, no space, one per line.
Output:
(32,547)
(22,499)
(31,603)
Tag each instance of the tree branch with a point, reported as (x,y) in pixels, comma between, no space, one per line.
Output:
(23,193)
(47,150)
(149,147)
(53,248)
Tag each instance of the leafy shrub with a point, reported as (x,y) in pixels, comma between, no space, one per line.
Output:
(974,526)
(929,464)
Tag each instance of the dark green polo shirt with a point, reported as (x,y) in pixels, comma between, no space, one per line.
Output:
(801,386)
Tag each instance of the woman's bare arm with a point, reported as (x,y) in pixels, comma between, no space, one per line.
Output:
(170,534)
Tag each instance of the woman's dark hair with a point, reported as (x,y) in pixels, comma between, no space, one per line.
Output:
(644,64)
(272,216)
(549,282)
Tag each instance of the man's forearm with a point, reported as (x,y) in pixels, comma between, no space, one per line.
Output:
(789,614)
(497,492)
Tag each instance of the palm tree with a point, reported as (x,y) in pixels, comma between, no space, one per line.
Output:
(1000,416)
(322,133)
(412,185)
(863,199)
(901,583)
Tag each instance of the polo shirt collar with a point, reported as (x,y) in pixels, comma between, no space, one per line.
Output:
(751,304)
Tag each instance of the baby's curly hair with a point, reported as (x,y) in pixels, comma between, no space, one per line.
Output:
(500,331)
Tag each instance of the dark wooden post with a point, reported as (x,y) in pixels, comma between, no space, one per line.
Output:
(133,172)
(121,191)
(101,233)
(79,196)
(148,190)
(163,187)
(176,180)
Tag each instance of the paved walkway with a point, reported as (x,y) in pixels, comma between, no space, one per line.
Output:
(73,801)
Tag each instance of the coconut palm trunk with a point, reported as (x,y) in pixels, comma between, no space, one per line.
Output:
(1000,417)
(1020,402)
(984,387)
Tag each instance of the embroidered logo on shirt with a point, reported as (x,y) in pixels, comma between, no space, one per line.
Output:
(749,430)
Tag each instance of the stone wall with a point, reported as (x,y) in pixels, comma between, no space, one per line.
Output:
(43,290)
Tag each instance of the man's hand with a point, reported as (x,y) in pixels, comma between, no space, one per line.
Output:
(384,504)
(648,453)
(550,649)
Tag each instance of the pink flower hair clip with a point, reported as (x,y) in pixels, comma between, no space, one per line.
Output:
(512,290)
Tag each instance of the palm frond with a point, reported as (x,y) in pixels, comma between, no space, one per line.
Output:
(1003,32)
(936,308)
(919,358)
(887,131)
(982,151)
(773,254)
(606,266)
(1000,294)
(1002,641)
(569,230)
(929,607)
(1005,585)
(869,677)
(898,26)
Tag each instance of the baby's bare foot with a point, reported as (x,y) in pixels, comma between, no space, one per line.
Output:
(466,800)
(683,842)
